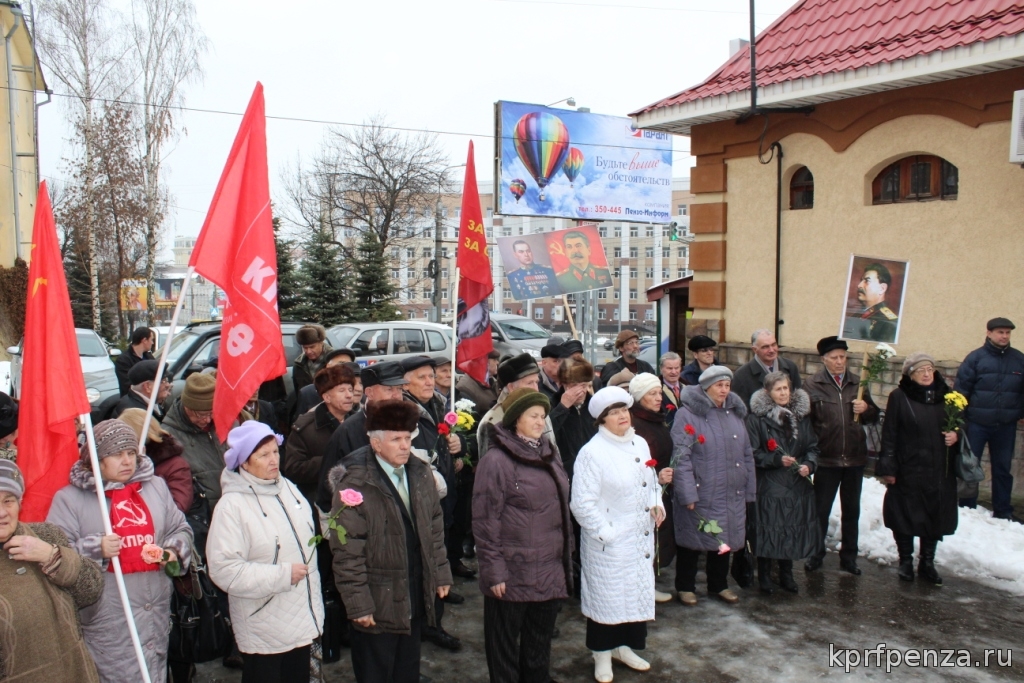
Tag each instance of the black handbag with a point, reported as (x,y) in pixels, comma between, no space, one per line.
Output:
(967,466)
(198,516)
(200,630)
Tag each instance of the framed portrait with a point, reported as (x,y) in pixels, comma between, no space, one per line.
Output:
(873,299)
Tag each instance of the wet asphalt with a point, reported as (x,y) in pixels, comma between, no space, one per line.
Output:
(781,637)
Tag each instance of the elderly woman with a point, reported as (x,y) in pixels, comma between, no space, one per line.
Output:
(615,499)
(786,454)
(142,512)
(259,554)
(166,454)
(44,583)
(713,482)
(523,534)
(916,464)
(650,424)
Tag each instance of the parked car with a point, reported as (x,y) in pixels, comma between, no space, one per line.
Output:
(391,340)
(515,334)
(97,366)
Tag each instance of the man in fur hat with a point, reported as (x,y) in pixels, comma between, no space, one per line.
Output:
(513,373)
(313,340)
(388,580)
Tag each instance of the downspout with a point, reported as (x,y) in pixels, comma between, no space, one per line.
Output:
(777,149)
(14,136)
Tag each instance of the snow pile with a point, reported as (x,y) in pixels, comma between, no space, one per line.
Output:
(988,550)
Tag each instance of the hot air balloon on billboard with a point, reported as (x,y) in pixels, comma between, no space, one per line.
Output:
(542,142)
(573,164)
(518,188)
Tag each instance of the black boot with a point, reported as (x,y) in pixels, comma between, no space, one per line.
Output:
(905,546)
(786,576)
(764,575)
(926,565)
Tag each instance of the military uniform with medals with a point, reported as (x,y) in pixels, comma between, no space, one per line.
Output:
(532,283)
(877,323)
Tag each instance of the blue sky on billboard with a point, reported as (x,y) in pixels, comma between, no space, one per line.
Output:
(625,174)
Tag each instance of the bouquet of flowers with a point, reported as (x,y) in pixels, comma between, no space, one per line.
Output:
(955,405)
(459,421)
(350,498)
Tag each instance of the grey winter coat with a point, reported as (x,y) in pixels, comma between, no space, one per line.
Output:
(75,511)
(787,518)
(203,451)
(521,520)
(717,475)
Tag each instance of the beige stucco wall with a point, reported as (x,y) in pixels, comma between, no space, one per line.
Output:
(965,255)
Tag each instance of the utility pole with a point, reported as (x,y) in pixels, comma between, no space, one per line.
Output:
(438,263)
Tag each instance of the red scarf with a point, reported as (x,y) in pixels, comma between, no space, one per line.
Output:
(130,519)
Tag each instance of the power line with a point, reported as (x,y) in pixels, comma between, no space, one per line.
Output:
(613,6)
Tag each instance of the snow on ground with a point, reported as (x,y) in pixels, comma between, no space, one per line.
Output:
(988,550)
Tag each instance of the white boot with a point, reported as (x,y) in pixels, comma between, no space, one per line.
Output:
(603,666)
(662,597)
(630,659)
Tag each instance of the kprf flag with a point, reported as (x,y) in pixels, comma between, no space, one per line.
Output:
(475,284)
(235,251)
(52,385)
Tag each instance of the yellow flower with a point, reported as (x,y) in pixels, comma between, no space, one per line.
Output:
(955,398)
(465,421)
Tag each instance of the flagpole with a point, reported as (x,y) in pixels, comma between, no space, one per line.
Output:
(455,329)
(118,575)
(163,360)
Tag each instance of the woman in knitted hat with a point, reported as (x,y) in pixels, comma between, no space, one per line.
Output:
(617,502)
(258,553)
(916,464)
(145,521)
(43,581)
(650,423)
(523,533)
(713,482)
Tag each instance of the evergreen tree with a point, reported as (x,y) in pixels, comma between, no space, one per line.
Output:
(325,282)
(374,292)
(288,286)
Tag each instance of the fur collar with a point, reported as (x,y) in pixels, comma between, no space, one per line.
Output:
(697,402)
(936,393)
(81,475)
(762,405)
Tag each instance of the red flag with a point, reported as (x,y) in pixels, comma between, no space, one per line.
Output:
(235,251)
(475,284)
(52,385)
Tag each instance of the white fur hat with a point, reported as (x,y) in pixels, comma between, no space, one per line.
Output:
(607,397)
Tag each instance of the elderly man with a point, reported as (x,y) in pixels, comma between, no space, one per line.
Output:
(190,421)
(628,344)
(992,379)
(309,397)
(550,362)
(313,340)
(140,349)
(142,378)
(703,349)
(750,377)
(393,563)
(513,373)
(670,366)
(838,418)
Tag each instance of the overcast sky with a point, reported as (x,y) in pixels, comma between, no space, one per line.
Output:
(436,65)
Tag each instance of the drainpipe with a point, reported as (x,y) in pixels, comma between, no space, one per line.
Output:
(777,149)
(14,136)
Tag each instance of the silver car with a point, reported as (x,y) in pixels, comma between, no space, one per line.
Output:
(393,340)
(97,366)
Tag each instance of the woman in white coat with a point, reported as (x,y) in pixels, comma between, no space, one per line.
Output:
(259,554)
(617,502)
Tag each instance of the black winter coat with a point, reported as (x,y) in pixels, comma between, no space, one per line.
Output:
(992,379)
(349,437)
(749,378)
(573,428)
(654,429)
(431,415)
(923,501)
(841,441)
(787,517)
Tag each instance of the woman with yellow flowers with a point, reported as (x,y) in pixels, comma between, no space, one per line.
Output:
(920,440)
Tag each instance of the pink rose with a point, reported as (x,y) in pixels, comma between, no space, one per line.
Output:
(152,554)
(351,498)
(451,418)
(723,549)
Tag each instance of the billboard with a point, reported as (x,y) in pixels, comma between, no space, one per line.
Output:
(554,263)
(873,300)
(134,295)
(167,291)
(569,164)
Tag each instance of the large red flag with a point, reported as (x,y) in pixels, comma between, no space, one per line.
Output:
(475,283)
(235,251)
(52,385)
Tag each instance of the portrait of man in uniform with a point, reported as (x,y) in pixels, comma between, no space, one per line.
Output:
(873,306)
(581,275)
(530,280)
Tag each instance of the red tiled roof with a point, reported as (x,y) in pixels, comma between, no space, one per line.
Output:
(817,37)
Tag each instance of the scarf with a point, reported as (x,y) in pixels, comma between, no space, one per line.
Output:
(130,519)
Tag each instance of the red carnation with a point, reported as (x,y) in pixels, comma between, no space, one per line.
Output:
(689,430)
(772,445)
(651,463)
(700,439)
(443,429)
(671,406)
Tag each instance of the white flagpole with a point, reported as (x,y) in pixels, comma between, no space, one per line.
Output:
(163,360)
(118,576)
(455,330)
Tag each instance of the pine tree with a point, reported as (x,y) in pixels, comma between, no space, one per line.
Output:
(326,295)
(288,286)
(374,292)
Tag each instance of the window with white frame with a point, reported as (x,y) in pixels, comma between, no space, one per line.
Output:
(617,252)
(394,273)
(634,231)
(410,273)
(602,314)
(394,253)
(681,208)
(632,314)
(618,231)
(508,311)
(634,252)
(649,314)
(648,252)
(602,294)
(615,314)
(410,252)
(602,231)
(665,252)
(681,252)
(650,231)
(664,273)
(632,273)
(616,294)
(681,272)
(412,314)
(649,273)
(427,252)
(538,313)
(508,294)
(632,294)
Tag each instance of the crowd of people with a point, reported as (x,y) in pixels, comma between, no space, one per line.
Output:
(370,488)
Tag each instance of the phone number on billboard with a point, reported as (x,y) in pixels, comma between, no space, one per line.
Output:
(600,208)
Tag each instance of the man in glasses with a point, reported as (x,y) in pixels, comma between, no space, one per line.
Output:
(190,421)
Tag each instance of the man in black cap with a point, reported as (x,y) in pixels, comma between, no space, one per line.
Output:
(140,349)
(842,446)
(308,396)
(550,361)
(513,373)
(572,348)
(703,349)
(992,379)
(141,378)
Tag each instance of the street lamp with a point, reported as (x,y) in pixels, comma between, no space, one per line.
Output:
(437,245)
(571,101)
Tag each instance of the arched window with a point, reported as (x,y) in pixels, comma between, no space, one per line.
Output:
(917,178)
(801,189)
